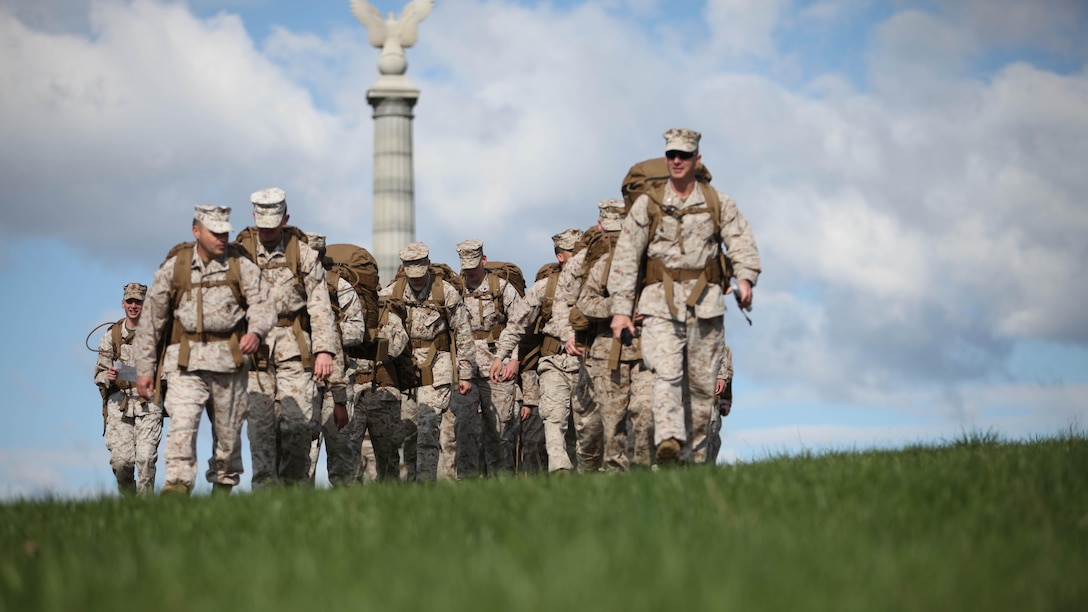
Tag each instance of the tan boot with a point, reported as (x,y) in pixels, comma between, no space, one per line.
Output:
(174,489)
(668,452)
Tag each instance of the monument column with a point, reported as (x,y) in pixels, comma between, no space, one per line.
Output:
(393,97)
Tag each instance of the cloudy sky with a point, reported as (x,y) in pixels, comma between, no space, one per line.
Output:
(913,172)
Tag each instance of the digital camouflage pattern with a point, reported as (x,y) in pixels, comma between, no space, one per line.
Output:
(212,380)
(133,426)
(692,336)
(284,404)
(624,394)
(424,322)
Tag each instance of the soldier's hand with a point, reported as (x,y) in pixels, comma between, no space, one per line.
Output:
(510,370)
(145,386)
(572,347)
(526,412)
(111,374)
(340,415)
(719,386)
(464,386)
(249,343)
(620,323)
(322,366)
(745,294)
(496,370)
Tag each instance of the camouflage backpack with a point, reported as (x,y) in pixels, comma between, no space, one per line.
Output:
(357,266)
(649,177)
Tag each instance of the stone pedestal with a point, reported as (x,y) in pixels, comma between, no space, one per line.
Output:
(393,98)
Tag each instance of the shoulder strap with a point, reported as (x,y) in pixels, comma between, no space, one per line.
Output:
(115,337)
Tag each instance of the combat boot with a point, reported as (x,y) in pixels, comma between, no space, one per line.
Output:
(174,489)
(668,452)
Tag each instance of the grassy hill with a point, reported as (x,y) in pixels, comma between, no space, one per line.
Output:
(978,524)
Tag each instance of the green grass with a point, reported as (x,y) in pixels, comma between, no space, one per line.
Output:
(977,524)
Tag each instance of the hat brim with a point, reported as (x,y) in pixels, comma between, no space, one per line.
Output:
(415,270)
(218,227)
(267,221)
(611,225)
(471,262)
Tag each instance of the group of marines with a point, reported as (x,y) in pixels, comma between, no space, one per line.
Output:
(616,353)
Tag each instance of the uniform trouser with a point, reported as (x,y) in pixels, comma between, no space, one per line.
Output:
(556,388)
(524,440)
(340,459)
(284,408)
(641,415)
(497,414)
(188,394)
(367,468)
(460,436)
(622,397)
(684,356)
(588,427)
(133,442)
(377,413)
(409,427)
(430,403)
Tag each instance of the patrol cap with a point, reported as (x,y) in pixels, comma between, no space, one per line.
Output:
(135,291)
(611,212)
(471,252)
(416,259)
(566,239)
(315,240)
(215,218)
(682,139)
(269,206)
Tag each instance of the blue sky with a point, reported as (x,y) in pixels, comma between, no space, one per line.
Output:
(913,172)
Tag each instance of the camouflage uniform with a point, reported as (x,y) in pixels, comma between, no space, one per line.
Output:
(284,404)
(212,380)
(588,426)
(425,323)
(341,460)
(681,344)
(557,370)
(622,385)
(133,426)
(494,401)
(376,430)
(525,440)
(726,374)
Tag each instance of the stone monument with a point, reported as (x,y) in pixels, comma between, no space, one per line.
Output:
(393,96)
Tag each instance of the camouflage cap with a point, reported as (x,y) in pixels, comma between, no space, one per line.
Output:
(471,252)
(416,259)
(611,212)
(136,291)
(269,207)
(682,139)
(215,218)
(315,240)
(566,239)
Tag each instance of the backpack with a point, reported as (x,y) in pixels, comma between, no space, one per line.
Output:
(510,272)
(248,238)
(649,177)
(529,347)
(357,266)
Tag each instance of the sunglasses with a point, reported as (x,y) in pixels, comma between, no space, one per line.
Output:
(685,155)
(133,301)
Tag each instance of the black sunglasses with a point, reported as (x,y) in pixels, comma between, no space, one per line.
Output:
(133,301)
(685,155)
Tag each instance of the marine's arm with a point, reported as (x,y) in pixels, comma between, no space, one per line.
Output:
(623,278)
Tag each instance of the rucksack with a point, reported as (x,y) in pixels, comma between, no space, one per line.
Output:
(508,271)
(248,238)
(529,348)
(357,266)
(649,177)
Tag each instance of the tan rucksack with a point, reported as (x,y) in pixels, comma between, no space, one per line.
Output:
(357,266)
